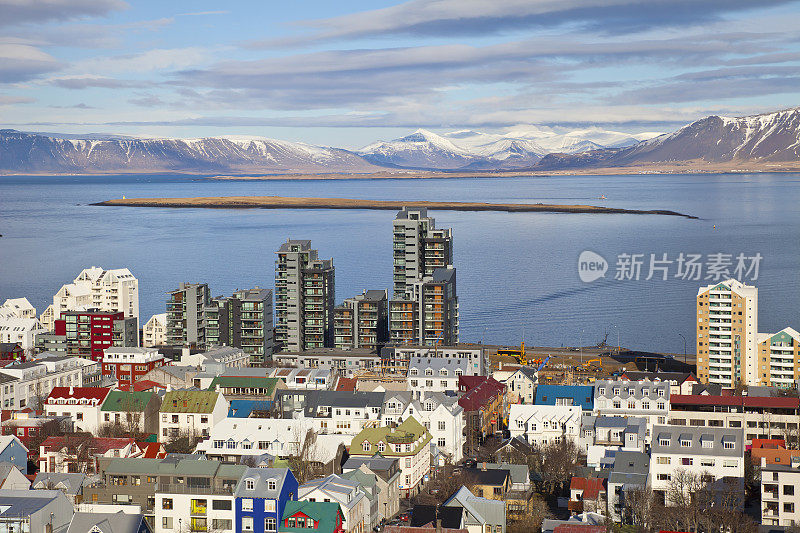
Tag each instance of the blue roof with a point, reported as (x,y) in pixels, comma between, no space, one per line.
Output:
(243,408)
(582,395)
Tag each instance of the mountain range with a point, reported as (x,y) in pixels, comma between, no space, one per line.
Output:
(766,139)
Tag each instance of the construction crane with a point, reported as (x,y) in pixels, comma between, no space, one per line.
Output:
(544,363)
(518,354)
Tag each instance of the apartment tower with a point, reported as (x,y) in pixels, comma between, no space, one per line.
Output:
(779,358)
(362,321)
(304,297)
(185,308)
(727,329)
(243,320)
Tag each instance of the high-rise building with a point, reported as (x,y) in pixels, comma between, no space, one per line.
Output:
(304,297)
(779,358)
(185,307)
(244,321)
(419,248)
(96,288)
(727,327)
(424,307)
(88,333)
(432,306)
(362,321)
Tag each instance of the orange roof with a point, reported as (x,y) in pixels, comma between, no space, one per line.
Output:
(768,443)
(346,384)
(152,450)
(591,487)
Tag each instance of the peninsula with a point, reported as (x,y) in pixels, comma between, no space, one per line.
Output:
(283,202)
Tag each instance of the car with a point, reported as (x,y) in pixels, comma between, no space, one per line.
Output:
(405,517)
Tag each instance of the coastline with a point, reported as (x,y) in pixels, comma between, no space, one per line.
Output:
(283,202)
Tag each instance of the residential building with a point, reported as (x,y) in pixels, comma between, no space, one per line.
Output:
(629,473)
(587,495)
(714,454)
(18,308)
(346,363)
(396,359)
(304,297)
(136,412)
(22,331)
(484,402)
(50,342)
(170,377)
(185,307)
(28,511)
(727,329)
(108,522)
(217,359)
(544,424)
(129,365)
(243,320)
(154,332)
(198,497)
(387,473)
(243,385)
(305,516)
(12,478)
(481,515)
(71,485)
(33,381)
(115,290)
(362,321)
(348,494)
(603,436)
(780,496)
(261,497)
(305,379)
(437,374)
(761,417)
(26,425)
(409,442)
(88,333)
(82,404)
(419,248)
(191,412)
(12,351)
(441,415)
(81,452)
(582,395)
(679,382)
(779,358)
(521,385)
(346,412)
(12,451)
(772,452)
(491,483)
(369,484)
(646,399)
(428,313)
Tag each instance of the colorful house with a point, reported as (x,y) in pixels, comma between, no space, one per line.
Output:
(261,498)
(302,517)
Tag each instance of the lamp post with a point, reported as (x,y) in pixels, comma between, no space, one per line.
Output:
(618,346)
(684,347)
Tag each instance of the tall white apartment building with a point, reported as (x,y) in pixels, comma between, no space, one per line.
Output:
(780,496)
(154,332)
(17,308)
(18,323)
(727,330)
(95,288)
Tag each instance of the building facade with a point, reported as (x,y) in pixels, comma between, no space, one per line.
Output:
(185,313)
(243,320)
(154,332)
(779,358)
(129,365)
(362,321)
(88,333)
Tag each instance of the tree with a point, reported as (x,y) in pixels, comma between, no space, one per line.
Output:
(305,463)
(637,508)
(445,482)
(537,512)
(555,462)
(183,442)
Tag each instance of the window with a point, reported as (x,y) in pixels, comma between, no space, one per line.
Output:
(270,524)
(166,522)
(631,404)
(788,507)
(707,463)
(686,443)
(441,443)
(687,461)
(271,484)
(222,524)
(729,445)
(408,462)
(166,503)
(269,506)
(602,391)
(247,504)
(663,460)
(661,406)
(708,443)
(663,477)
(788,490)
(617,404)
(250,484)
(366,445)
(381,447)
(247,523)
(221,505)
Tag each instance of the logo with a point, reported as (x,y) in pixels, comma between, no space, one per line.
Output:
(591,266)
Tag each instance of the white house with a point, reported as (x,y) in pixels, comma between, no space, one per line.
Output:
(33,381)
(191,411)
(633,398)
(154,332)
(521,385)
(20,330)
(306,378)
(217,359)
(603,436)
(17,307)
(716,454)
(542,424)
(780,498)
(348,494)
(437,374)
(82,404)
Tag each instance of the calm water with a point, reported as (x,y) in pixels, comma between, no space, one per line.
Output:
(516,272)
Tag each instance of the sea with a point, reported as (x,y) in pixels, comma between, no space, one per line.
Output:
(517,273)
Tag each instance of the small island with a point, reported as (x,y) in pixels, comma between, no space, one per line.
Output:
(283,202)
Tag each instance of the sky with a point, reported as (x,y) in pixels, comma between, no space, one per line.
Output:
(346,73)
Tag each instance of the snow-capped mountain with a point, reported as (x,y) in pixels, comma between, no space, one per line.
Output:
(34,153)
(421,149)
(769,137)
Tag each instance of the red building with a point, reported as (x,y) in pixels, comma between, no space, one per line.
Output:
(90,332)
(129,365)
(11,351)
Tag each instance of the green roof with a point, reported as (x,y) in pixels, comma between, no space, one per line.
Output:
(118,400)
(188,467)
(323,512)
(245,382)
(409,432)
(189,401)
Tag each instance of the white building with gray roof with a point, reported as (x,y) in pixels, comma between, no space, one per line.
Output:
(633,398)
(715,454)
(347,493)
(437,374)
(629,473)
(603,436)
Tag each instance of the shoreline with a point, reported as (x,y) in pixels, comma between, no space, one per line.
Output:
(283,202)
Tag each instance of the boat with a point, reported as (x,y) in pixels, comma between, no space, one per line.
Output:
(602,197)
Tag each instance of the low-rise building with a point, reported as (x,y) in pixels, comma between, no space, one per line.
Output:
(484,402)
(127,365)
(81,452)
(396,359)
(587,495)
(133,412)
(780,497)
(348,494)
(261,498)
(645,399)
(581,395)
(82,404)
(12,451)
(345,412)
(629,473)
(217,359)
(521,385)
(437,374)
(33,381)
(481,515)
(154,332)
(387,472)
(679,382)
(305,516)
(191,412)
(344,362)
(544,424)
(603,436)
(29,511)
(247,384)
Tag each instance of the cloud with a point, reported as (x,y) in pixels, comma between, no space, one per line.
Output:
(74,106)
(20,62)
(203,13)
(86,82)
(7,99)
(435,18)
(16,12)
(148,61)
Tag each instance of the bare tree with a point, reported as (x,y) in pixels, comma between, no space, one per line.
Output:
(537,512)
(637,508)
(305,462)
(556,463)
(447,480)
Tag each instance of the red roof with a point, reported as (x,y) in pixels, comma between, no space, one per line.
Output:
(772,444)
(735,401)
(89,393)
(591,487)
(484,390)
(146,385)
(152,450)
(98,445)
(346,384)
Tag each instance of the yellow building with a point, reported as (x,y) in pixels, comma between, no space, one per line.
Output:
(779,358)
(727,327)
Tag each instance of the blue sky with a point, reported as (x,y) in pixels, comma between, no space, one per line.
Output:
(347,73)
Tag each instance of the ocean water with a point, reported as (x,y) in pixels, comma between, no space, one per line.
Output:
(517,272)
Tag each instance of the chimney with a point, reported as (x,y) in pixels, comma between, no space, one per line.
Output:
(71,390)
